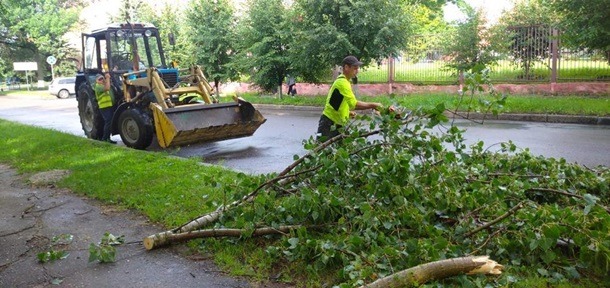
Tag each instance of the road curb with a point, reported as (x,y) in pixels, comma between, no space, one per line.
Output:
(544,118)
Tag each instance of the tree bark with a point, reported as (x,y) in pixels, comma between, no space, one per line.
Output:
(164,238)
(439,270)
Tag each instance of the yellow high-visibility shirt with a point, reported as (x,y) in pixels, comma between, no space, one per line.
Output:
(340,101)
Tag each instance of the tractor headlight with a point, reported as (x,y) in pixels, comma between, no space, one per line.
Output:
(148,33)
(120,33)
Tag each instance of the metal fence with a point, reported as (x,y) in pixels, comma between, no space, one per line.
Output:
(535,55)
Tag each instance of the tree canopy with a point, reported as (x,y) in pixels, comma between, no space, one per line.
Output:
(326,31)
(586,24)
(264,41)
(213,37)
(31,30)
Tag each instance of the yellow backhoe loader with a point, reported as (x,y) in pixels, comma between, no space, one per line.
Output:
(176,105)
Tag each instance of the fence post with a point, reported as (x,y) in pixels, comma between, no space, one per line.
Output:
(391,70)
(554,57)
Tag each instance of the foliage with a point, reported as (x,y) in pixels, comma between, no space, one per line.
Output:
(264,44)
(105,250)
(427,32)
(326,31)
(170,23)
(393,194)
(476,84)
(131,11)
(586,23)
(52,254)
(214,38)
(529,26)
(471,43)
(32,30)
(405,199)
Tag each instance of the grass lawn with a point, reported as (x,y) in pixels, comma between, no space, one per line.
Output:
(535,104)
(435,72)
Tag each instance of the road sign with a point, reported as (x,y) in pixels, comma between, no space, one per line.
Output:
(51,60)
(25,66)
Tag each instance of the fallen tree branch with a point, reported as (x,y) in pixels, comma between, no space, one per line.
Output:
(439,270)
(508,213)
(566,194)
(165,238)
(214,215)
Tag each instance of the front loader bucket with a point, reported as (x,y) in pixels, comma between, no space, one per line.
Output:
(198,123)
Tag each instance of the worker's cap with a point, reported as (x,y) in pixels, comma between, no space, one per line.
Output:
(98,76)
(351,60)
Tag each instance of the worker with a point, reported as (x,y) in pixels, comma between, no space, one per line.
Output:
(105,101)
(341,101)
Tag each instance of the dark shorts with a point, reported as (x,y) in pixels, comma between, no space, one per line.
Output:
(324,128)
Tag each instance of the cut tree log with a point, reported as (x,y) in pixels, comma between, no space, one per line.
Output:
(167,237)
(439,270)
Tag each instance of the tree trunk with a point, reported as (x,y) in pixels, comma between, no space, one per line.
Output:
(164,238)
(439,270)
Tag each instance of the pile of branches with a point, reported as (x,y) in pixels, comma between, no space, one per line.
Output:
(400,193)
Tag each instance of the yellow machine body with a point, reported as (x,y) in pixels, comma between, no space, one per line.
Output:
(177,123)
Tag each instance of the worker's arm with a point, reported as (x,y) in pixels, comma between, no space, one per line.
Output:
(360,105)
(107,81)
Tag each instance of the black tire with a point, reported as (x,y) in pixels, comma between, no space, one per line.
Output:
(136,128)
(89,113)
(63,94)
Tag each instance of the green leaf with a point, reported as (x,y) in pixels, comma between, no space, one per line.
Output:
(590,199)
(293,243)
(543,272)
(549,256)
(62,239)
(43,257)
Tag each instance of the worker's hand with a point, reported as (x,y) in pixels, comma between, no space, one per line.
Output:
(352,114)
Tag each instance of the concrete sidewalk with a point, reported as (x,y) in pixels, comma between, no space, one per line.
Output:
(31,215)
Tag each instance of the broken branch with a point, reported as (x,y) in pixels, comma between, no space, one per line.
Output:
(439,270)
(162,239)
(508,213)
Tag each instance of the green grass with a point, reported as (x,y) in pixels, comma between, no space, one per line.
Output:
(503,72)
(146,181)
(534,104)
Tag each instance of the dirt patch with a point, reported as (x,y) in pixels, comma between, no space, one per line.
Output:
(48,178)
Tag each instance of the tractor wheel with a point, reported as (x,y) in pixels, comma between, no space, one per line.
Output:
(89,113)
(136,128)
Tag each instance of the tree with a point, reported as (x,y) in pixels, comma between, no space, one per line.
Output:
(264,43)
(470,43)
(131,11)
(31,30)
(586,23)
(429,26)
(325,31)
(528,26)
(170,23)
(214,38)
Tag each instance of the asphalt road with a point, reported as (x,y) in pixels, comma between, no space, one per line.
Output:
(274,145)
